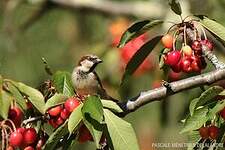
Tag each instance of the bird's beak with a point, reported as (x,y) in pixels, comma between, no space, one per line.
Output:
(97,61)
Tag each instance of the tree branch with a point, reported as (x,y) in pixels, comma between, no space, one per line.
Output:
(174,87)
(137,9)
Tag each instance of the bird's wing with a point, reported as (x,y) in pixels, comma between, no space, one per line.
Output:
(102,92)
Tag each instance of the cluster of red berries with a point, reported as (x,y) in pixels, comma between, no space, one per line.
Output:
(26,138)
(60,113)
(189,58)
(209,132)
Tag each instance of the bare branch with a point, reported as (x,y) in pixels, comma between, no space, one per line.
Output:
(173,88)
(137,9)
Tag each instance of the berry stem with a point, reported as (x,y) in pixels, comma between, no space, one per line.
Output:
(25,122)
(203,31)
(175,38)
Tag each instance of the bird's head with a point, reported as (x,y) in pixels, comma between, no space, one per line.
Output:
(89,62)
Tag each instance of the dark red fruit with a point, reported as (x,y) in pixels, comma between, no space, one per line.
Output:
(222,113)
(84,134)
(176,68)
(29,136)
(185,65)
(40,143)
(196,64)
(172,58)
(208,43)
(29,148)
(59,121)
(65,114)
(55,111)
(213,132)
(16,115)
(71,104)
(16,139)
(53,123)
(167,41)
(204,132)
(196,45)
(173,76)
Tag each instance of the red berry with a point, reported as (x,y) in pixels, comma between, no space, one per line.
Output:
(53,123)
(84,134)
(186,65)
(173,76)
(21,130)
(176,68)
(29,148)
(222,113)
(71,104)
(196,45)
(208,43)
(213,132)
(64,114)
(55,111)
(40,143)
(16,115)
(59,121)
(16,139)
(204,132)
(167,41)
(172,58)
(196,64)
(29,136)
(187,50)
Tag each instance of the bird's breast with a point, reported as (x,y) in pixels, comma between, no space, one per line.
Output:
(85,84)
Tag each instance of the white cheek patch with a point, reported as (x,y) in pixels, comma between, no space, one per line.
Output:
(87,64)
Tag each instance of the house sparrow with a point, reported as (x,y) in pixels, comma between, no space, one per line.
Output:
(86,81)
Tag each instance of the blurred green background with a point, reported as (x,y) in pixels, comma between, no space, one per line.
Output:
(32,29)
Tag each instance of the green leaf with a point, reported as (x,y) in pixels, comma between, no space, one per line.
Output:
(18,96)
(121,132)
(193,137)
(213,26)
(55,137)
(217,108)
(111,105)
(209,94)
(192,105)
(62,82)
(137,29)
(139,57)
(5,102)
(75,118)
(35,97)
(175,6)
(57,99)
(196,121)
(92,112)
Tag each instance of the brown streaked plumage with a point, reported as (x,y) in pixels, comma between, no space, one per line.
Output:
(85,79)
